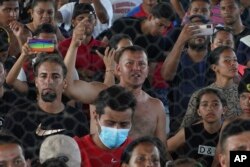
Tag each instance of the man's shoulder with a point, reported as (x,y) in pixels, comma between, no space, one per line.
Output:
(152,101)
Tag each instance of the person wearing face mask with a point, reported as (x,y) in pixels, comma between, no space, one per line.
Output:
(113,117)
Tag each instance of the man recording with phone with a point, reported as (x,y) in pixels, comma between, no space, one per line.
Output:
(186,68)
(89,65)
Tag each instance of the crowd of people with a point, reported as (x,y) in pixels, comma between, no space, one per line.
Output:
(123,83)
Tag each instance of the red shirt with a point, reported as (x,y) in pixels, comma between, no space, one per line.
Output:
(94,156)
(85,59)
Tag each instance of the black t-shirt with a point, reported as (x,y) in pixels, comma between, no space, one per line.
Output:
(245,17)
(8,101)
(32,125)
(237,37)
(154,45)
(200,144)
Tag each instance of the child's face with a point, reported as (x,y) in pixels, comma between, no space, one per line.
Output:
(210,108)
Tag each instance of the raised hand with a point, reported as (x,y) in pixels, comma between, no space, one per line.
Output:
(79,35)
(108,58)
(188,32)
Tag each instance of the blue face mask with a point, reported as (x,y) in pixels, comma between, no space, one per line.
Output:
(112,137)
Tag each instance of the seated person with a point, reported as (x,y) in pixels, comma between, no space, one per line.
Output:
(89,65)
(234,137)
(199,141)
(60,147)
(11,153)
(144,151)
(113,117)
(32,122)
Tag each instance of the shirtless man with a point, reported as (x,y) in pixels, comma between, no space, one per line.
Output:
(132,68)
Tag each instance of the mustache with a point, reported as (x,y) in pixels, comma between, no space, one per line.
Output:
(49,96)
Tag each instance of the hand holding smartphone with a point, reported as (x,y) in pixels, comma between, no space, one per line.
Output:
(204,30)
(41,45)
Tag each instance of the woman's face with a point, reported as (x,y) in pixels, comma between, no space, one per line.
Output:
(144,155)
(43,12)
(227,65)
(210,108)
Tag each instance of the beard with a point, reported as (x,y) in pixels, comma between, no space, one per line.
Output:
(48,96)
(198,46)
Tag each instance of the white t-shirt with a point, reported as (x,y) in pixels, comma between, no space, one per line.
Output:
(67,11)
(122,7)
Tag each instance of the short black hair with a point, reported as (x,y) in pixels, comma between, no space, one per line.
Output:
(7,138)
(127,153)
(215,54)
(2,1)
(81,8)
(207,90)
(236,1)
(117,98)
(235,127)
(45,28)
(163,10)
(133,48)
(49,57)
(207,1)
(115,39)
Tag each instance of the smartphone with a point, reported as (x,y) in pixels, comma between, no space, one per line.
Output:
(205,30)
(41,45)
(101,49)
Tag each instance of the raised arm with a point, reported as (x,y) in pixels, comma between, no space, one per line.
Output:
(108,59)
(11,78)
(171,62)
(79,90)
(21,33)
(101,12)
(178,8)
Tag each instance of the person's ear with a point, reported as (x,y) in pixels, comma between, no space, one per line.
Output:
(198,112)
(73,23)
(65,84)
(118,69)
(213,67)
(225,110)
(212,46)
(222,160)
(36,82)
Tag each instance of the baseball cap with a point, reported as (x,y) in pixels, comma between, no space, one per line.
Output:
(81,8)
(63,147)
